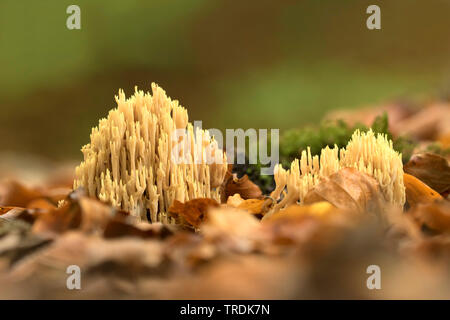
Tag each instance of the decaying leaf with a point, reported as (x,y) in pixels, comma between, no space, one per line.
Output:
(254,206)
(349,189)
(16,213)
(13,193)
(320,209)
(194,211)
(233,228)
(127,257)
(243,186)
(235,200)
(78,211)
(428,123)
(418,192)
(58,220)
(5,210)
(117,228)
(41,203)
(434,215)
(431,169)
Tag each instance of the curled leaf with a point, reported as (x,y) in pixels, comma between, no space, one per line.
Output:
(13,193)
(233,228)
(194,211)
(434,215)
(349,189)
(117,228)
(235,201)
(76,212)
(41,203)
(254,206)
(244,186)
(58,220)
(418,192)
(431,169)
(5,210)
(318,209)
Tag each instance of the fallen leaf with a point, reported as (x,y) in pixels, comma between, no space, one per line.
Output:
(187,249)
(16,213)
(235,200)
(233,229)
(254,206)
(58,220)
(320,209)
(243,186)
(77,212)
(425,124)
(194,211)
(5,210)
(434,215)
(444,139)
(13,193)
(117,228)
(349,189)
(431,169)
(123,257)
(418,192)
(41,203)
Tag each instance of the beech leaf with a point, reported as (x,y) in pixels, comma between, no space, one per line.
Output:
(349,189)
(432,169)
(193,211)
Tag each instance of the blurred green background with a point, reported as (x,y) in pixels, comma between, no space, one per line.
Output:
(233,64)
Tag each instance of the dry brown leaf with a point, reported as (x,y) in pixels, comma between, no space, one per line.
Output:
(187,249)
(117,228)
(58,220)
(41,203)
(435,215)
(244,186)
(418,192)
(426,124)
(320,210)
(194,211)
(444,139)
(77,212)
(16,213)
(235,200)
(349,189)
(5,210)
(13,193)
(254,206)
(126,257)
(431,169)
(233,228)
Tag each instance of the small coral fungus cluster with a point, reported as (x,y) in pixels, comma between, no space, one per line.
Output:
(365,152)
(131,159)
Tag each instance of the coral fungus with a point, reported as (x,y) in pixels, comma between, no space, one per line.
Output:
(146,154)
(366,152)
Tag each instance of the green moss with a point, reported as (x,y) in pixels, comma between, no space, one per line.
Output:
(294,141)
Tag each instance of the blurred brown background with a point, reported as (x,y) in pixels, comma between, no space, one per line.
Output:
(259,64)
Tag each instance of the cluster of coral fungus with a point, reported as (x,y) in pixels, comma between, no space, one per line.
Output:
(129,162)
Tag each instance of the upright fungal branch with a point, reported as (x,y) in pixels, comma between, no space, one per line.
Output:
(365,152)
(145,155)
(376,156)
